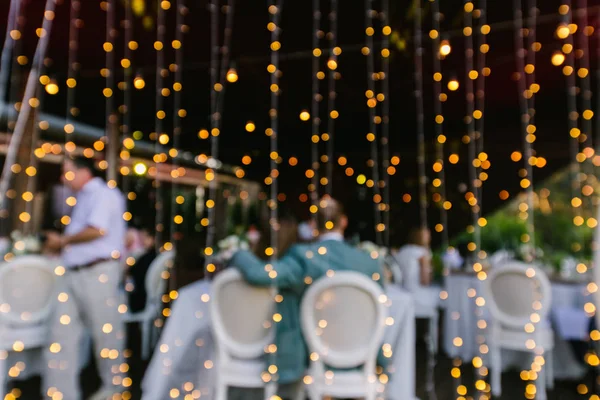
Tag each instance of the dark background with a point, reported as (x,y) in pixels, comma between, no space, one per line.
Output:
(249,98)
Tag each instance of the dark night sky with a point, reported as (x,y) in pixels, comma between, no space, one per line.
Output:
(248,99)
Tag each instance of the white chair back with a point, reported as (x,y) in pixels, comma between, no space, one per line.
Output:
(27,285)
(515,291)
(241,316)
(343,320)
(156,285)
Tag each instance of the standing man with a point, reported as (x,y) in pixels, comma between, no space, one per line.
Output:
(90,248)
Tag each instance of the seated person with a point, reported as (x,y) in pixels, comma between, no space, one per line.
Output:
(136,274)
(297,268)
(414,259)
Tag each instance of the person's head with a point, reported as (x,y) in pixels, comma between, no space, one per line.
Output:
(147,237)
(77,171)
(420,236)
(331,216)
(287,235)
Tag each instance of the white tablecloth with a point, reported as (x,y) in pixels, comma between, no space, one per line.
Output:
(184,358)
(568,319)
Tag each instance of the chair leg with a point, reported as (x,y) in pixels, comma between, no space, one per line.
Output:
(270,390)
(3,374)
(220,390)
(145,326)
(549,370)
(433,331)
(496,362)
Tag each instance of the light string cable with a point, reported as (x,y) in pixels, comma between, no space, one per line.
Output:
(483,31)
(583,54)
(388,170)
(332,113)
(597,82)
(275,10)
(12,36)
(482,164)
(439,51)
(563,32)
(470,75)
(372,104)
(214,133)
(126,107)
(28,99)
(527,128)
(112,134)
(423,204)
(226,55)
(158,122)
(179,114)
(275,15)
(313,187)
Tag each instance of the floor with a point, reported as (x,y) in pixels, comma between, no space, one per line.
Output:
(513,386)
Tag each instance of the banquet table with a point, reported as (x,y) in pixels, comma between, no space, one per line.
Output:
(568,319)
(184,360)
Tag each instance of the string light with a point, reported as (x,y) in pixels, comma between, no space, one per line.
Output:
(179,114)
(275,9)
(420,113)
(108,91)
(332,113)
(372,104)
(385,121)
(161,74)
(29,101)
(439,120)
(125,109)
(316,121)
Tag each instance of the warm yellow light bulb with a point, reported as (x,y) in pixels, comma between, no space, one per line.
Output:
(453,85)
(232,75)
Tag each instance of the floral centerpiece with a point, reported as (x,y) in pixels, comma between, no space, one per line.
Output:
(24,244)
(229,246)
(375,251)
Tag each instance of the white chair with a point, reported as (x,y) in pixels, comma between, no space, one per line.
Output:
(343,321)
(156,286)
(516,295)
(27,290)
(242,329)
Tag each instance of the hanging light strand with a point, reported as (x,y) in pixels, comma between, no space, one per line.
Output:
(275,16)
(527,129)
(111,133)
(126,64)
(214,133)
(10,40)
(372,104)
(226,55)
(313,187)
(483,71)
(385,120)
(423,204)
(158,121)
(332,64)
(470,75)
(179,113)
(440,182)
(29,98)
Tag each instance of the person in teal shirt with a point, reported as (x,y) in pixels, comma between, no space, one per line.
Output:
(301,265)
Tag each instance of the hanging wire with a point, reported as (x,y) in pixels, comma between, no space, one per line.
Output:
(275,15)
(214,133)
(439,120)
(420,113)
(527,128)
(316,120)
(126,110)
(226,54)
(332,63)
(29,95)
(484,71)
(158,122)
(372,104)
(385,121)
(111,132)
(178,112)
(7,50)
